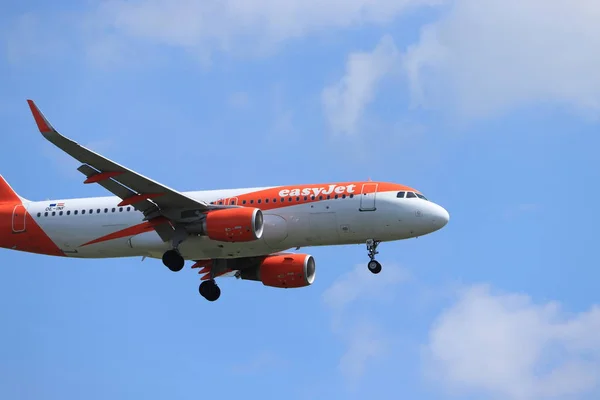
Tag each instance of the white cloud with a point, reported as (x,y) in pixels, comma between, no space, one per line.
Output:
(365,339)
(345,102)
(507,347)
(190,23)
(360,283)
(486,57)
(117,31)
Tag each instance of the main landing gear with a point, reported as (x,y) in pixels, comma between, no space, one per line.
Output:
(373,265)
(173,260)
(209,290)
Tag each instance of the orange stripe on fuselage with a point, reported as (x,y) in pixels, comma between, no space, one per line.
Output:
(285,196)
(131,231)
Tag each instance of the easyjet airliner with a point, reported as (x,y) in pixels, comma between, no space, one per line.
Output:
(246,233)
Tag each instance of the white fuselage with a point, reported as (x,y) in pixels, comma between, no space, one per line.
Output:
(72,223)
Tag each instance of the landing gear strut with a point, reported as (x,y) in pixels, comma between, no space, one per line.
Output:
(373,265)
(209,290)
(173,260)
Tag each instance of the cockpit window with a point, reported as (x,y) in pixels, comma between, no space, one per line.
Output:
(410,195)
(421,196)
(400,195)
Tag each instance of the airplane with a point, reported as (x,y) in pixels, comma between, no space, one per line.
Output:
(243,233)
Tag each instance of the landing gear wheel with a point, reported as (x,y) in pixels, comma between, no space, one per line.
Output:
(173,260)
(374,266)
(209,290)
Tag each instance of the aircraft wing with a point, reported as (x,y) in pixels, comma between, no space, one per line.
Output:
(134,189)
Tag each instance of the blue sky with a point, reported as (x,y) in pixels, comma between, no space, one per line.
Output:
(490,108)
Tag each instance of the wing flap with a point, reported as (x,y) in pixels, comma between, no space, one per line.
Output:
(117,189)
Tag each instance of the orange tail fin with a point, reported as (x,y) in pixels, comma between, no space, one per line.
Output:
(18,229)
(7,194)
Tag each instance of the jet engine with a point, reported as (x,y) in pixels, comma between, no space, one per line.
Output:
(283,271)
(242,224)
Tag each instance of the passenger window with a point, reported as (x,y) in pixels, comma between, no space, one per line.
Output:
(113,210)
(60,213)
(400,195)
(68,212)
(39,215)
(105,210)
(128,208)
(259,201)
(75,212)
(410,195)
(243,201)
(83,211)
(45,214)
(53,213)
(120,209)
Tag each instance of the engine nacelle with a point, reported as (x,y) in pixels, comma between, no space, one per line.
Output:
(283,271)
(242,224)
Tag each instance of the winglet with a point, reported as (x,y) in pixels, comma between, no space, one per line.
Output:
(42,123)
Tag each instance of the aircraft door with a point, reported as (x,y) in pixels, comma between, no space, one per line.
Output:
(367,197)
(18,219)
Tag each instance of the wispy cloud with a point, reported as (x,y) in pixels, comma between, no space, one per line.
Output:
(506,346)
(345,102)
(487,57)
(366,340)
(116,31)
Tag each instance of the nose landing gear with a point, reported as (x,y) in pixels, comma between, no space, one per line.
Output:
(373,265)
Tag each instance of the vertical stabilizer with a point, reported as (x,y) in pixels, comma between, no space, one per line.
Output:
(7,194)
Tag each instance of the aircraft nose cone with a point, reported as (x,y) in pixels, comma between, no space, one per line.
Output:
(440,216)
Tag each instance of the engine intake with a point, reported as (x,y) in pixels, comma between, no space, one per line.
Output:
(283,271)
(242,224)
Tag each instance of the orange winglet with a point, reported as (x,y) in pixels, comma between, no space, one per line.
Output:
(102,176)
(41,122)
(137,198)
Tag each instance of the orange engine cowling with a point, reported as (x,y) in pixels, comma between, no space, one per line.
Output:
(242,224)
(283,271)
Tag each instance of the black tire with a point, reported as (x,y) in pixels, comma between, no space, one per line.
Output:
(173,260)
(209,290)
(374,266)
